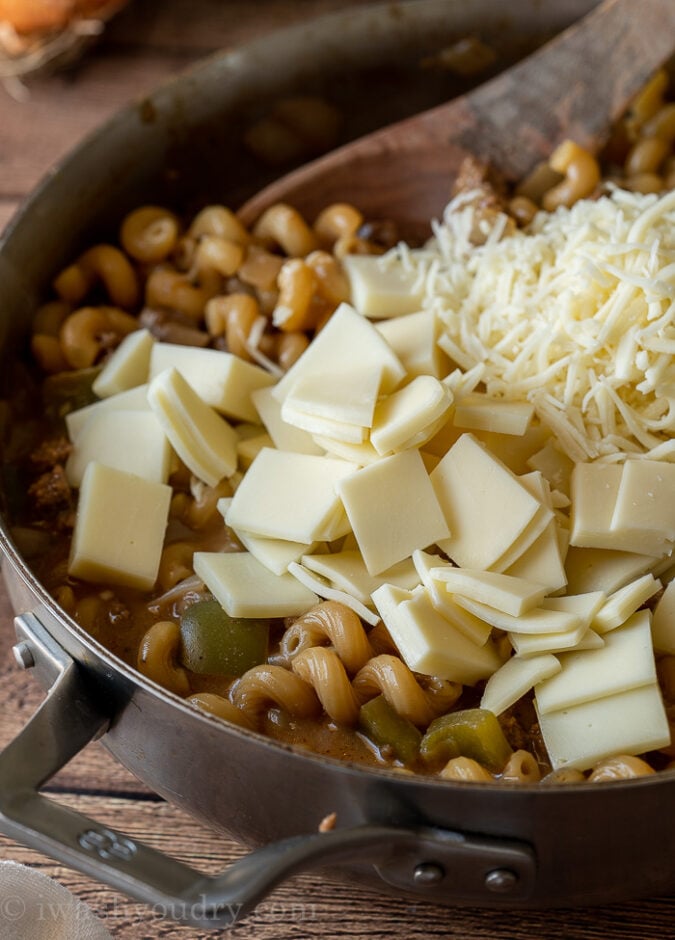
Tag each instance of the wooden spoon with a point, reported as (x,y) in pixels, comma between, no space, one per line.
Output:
(573,87)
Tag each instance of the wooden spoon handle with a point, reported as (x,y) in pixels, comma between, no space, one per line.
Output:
(574,86)
(571,88)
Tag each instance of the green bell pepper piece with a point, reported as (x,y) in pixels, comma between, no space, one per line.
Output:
(471,732)
(213,643)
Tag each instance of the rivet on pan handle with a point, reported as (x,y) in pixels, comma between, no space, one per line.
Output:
(432,861)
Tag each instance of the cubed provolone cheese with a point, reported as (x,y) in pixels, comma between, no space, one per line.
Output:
(602,569)
(119,528)
(346,338)
(663,621)
(285,436)
(245,588)
(136,399)
(428,643)
(290,496)
(359,454)
(471,626)
(593,489)
(554,465)
(221,379)
(645,501)
(346,571)
(528,644)
(626,661)
(274,554)
(627,723)
(248,448)
(204,440)
(127,367)
(512,595)
(127,440)
(584,606)
(473,487)
(404,416)
(515,678)
(478,411)
(382,289)
(542,562)
(343,394)
(594,523)
(620,605)
(535,622)
(392,509)
(414,340)
(322,587)
(327,427)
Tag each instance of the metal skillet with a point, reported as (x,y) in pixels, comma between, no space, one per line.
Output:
(448,843)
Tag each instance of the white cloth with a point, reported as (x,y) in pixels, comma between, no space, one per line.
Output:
(35,907)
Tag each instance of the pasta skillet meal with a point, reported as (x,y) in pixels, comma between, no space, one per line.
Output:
(412,507)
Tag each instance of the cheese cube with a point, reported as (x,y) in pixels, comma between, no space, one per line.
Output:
(428,643)
(542,562)
(127,440)
(203,440)
(596,522)
(626,723)
(285,436)
(410,416)
(555,466)
(358,454)
(645,501)
(584,606)
(475,490)
(274,554)
(470,625)
(315,582)
(392,509)
(535,622)
(346,571)
(482,412)
(511,595)
(128,366)
(626,661)
(346,338)
(342,394)
(624,602)
(290,496)
(516,677)
(248,448)
(593,489)
(663,621)
(136,399)
(327,427)
(414,340)
(245,588)
(381,287)
(528,644)
(602,569)
(222,380)
(119,528)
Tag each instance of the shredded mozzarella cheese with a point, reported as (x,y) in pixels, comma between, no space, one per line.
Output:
(576,314)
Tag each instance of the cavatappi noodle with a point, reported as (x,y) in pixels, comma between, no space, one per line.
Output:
(327,680)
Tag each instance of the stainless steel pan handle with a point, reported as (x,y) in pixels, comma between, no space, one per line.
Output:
(411,858)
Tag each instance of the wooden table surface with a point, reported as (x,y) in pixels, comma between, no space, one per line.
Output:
(149,41)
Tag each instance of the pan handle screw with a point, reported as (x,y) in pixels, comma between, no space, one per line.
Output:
(427,874)
(23,655)
(501,881)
